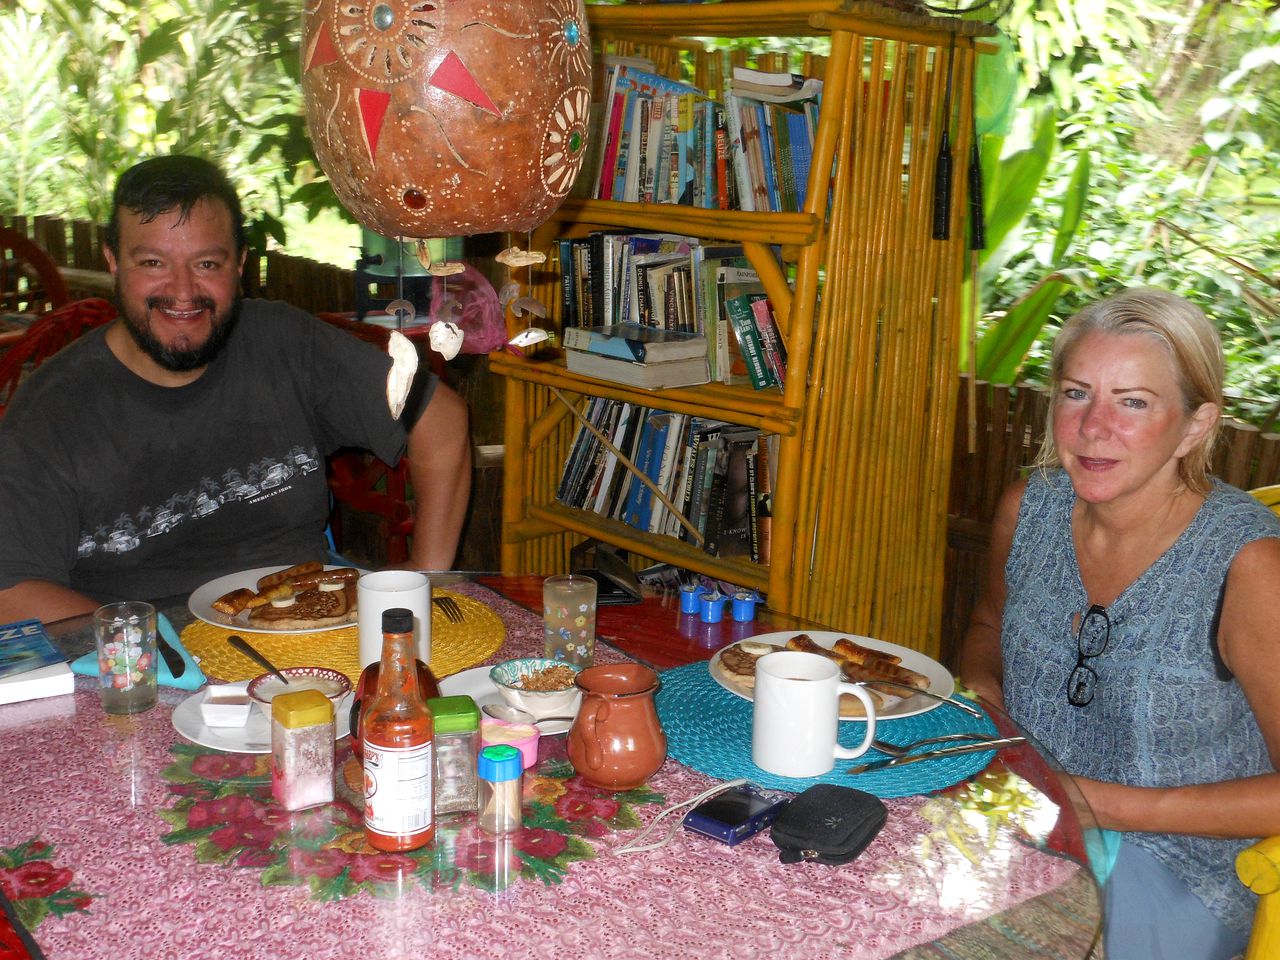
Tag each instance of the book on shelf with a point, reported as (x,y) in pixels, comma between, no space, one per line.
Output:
(704,442)
(668,467)
(640,499)
(774,87)
(610,478)
(31,667)
(771,343)
(630,161)
(646,376)
(742,318)
(762,497)
(635,342)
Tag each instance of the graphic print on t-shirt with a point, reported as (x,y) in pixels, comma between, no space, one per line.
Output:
(257,481)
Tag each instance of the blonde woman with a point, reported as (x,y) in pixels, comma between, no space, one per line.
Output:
(1131,624)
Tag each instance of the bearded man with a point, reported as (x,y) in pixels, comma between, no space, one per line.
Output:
(186,440)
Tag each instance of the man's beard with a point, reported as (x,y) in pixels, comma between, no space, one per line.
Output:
(174,358)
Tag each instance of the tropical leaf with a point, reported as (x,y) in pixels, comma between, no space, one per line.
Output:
(1002,350)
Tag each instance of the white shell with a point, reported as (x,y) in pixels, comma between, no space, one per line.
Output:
(528,337)
(515,257)
(446,269)
(445,338)
(508,293)
(404,364)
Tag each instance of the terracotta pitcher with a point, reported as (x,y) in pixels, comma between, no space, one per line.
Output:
(617,742)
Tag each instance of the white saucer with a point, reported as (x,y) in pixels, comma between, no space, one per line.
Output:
(253,737)
(475,683)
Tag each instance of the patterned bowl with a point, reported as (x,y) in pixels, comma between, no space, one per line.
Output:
(509,677)
(332,683)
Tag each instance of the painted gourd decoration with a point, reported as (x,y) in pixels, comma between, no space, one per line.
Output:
(437,118)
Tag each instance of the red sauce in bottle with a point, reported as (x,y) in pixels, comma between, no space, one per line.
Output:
(397,732)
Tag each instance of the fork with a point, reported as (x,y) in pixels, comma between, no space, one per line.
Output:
(901,750)
(449,607)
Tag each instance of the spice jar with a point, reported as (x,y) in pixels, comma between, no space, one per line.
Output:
(302,749)
(457,747)
(500,770)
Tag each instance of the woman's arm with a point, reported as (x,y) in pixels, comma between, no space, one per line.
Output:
(1249,642)
(980,664)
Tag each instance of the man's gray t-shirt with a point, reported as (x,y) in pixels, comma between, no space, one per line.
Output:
(119,488)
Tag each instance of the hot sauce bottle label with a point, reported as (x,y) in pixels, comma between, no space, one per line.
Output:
(397,789)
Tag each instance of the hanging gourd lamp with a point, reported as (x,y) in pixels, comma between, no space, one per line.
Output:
(436,118)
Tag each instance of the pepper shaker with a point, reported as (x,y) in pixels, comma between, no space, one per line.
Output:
(302,749)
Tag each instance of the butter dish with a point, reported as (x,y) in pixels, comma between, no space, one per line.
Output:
(226,705)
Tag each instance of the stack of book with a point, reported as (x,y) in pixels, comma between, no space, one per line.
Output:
(637,355)
(716,474)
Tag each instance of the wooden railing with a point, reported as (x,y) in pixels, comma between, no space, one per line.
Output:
(1008,427)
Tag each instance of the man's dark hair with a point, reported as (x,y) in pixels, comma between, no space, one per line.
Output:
(175,182)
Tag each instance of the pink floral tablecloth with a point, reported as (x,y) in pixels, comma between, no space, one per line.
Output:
(98,791)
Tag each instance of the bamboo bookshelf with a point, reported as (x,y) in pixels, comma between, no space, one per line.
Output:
(871,319)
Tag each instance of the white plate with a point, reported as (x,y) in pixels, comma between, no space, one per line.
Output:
(941,682)
(475,683)
(253,737)
(201,602)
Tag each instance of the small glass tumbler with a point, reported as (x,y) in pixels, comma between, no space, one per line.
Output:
(126,637)
(569,619)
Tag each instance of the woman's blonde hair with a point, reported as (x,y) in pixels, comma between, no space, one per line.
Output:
(1188,337)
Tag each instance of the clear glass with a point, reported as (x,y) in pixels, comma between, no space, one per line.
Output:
(569,619)
(126,636)
(456,783)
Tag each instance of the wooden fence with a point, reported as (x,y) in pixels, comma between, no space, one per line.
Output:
(1008,427)
(1008,422)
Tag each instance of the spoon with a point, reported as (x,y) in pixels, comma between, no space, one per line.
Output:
(244,646)
(500,711)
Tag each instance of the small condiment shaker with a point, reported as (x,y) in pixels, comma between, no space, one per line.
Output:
(302,749)
(500,770)
(457,748)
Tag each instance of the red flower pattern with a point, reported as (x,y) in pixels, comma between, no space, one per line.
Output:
(206,813)
(383,868)
(33,879)
(326,864)
(250,833)
(541,842)
(223,766)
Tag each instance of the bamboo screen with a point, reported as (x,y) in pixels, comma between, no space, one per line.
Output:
(879,409)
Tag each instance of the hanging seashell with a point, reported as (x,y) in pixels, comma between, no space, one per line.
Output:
(423,252)
(529,336)
(530,306)
(515,257)
(403,311)
(404,364)
(446,269)
(445,338)
(508,293)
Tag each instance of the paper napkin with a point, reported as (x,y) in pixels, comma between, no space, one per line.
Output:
(192,678)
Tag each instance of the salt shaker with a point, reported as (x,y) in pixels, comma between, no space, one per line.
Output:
(500,770)
(457,746)
(302,749)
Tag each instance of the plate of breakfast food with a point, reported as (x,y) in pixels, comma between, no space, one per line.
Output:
(889,671)
(304,598)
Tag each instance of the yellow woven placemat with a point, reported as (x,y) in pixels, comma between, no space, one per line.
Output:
(454,646)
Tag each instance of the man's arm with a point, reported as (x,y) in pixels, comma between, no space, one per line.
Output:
(440,469)
(42,600)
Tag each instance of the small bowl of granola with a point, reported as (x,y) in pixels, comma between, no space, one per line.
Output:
(543,688)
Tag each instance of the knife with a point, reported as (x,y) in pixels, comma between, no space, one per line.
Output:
(958,704)
(930,754)
(172,658)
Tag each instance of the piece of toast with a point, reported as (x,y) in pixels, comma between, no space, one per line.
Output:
(310,609)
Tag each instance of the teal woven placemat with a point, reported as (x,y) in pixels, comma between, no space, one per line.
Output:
(709,729)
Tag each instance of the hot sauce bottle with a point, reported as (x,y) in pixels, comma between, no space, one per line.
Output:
(397,732)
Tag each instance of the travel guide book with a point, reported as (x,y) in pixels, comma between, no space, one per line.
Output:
(25,646)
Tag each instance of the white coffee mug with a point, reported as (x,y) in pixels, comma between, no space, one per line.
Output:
(796,716)
(386,590)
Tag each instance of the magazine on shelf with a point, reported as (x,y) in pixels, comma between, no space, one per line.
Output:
(647,376)
(635,342)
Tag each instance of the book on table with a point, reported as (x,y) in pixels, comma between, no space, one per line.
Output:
(635,342)
(647,376)
(30,665)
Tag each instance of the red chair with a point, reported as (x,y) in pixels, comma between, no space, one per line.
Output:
(47,336)
(360,480)
(29,281)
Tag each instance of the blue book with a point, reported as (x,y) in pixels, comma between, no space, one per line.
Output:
(635,342)
(654,440)
(26,646)
(801,154)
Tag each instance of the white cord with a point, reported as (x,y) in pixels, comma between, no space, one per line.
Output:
(635,845)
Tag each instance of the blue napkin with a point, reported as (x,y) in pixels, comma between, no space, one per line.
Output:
(191,679)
